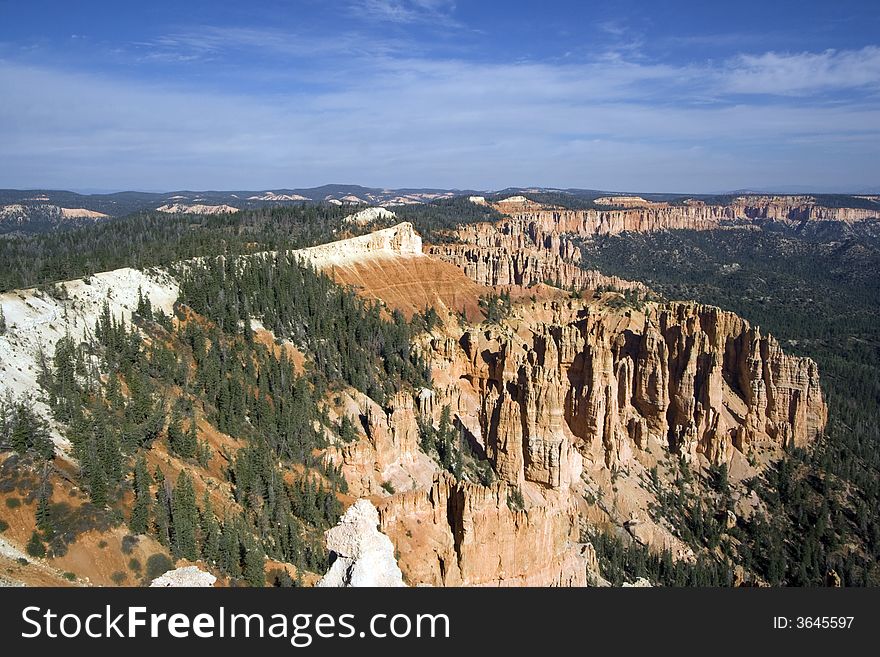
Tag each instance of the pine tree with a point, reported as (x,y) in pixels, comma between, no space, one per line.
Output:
(210,532)
(27,431)
(140,513)
(90,464)
(2,321)
(230,551)
(21,436)
(191,437)
(44,510)
(144,308)
(183,443)
(163,510)
(254,564)
(185,518)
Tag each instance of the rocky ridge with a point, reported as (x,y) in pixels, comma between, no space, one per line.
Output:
(533,244)
(571,400)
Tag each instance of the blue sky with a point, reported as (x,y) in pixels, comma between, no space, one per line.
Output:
(641,96)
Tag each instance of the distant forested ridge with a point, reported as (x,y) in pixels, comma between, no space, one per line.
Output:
(155,239)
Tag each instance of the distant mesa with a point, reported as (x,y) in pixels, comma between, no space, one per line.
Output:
(272,196)
(628,202)
(197,208)
(19,210)
(72,213)
(20,214)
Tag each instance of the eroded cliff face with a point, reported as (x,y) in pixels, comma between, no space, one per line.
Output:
(796,209)
(575,401)
(690,379)
(570,396)
(464,534)
(389,266)
(522,253)
(695,215)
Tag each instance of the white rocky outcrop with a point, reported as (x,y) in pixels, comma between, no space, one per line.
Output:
(514,200)
(624,201)
(36,320)
(351,198)
(640,583)
(188,576)
(364,555)
(364,217)
(399,240)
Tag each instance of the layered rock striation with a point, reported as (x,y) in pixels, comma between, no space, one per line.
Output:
(691,379)
(389,266)
(513,252)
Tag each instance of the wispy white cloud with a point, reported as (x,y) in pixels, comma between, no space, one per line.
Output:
(394,120)
(209,42)
(612,27)
(438,12)
(804,72)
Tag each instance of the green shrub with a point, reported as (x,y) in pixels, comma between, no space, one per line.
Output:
(35,546)
(158,564)
(515,500)
(13,502)
(128,543)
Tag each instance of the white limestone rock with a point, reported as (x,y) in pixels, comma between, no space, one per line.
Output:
(640,583)
(364,217)
(188,576)
(364,555)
